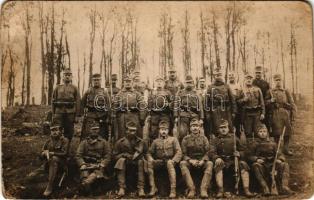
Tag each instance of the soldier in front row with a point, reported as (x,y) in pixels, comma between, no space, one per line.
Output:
(195,149)
(223,156)
(164,151)
(96,105)
(66,105)
(283,110)
(54,153)
(262,155)
(129,150)
(93,157)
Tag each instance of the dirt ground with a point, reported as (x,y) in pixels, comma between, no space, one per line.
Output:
(20,157)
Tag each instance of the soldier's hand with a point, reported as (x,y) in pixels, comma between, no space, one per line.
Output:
(201,122)
(245,99)
(262,116)
(83,167)
(201,163)
(233,115)
(236,154)
(278,161)
(193,162)
(218,162)
(272,100)
(176,120)
(260,161)
(149,118)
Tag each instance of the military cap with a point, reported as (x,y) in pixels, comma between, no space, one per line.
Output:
(159,78)
(163,124)
(114,77)
(127,78)
(223,123)
(194,121)
(258,68)
(67,71)
(201,79)
(217,71)
(96,76)
(188,79)
(277,77)
(136,73)
(261,126)
(131,126)
(54,127)
(248,75)
(95,127)
(172,69)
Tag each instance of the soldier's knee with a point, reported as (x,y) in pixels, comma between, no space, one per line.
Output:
(244,166)
(183,164)
(140,162)
(256,166)
(170,164)
(209,165)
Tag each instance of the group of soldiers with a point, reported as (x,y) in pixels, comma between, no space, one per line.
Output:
(220,129)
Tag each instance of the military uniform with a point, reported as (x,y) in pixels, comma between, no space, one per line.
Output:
(164,151)
(187,105)
(236,90)
(173,85)
(66,106)
(127,107)
(196,147)
(95,154)
(115,89)
(283,110)
(127,152)
(221,102)
(224,149)
(265,150)
(252,103)
(55,161)
(160,108)
(96,104)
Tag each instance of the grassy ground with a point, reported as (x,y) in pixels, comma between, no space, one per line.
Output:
(19,158)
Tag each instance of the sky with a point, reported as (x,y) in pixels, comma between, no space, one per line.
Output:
(274,17)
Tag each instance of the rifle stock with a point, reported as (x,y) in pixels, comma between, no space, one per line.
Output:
(236,164)
(273,189)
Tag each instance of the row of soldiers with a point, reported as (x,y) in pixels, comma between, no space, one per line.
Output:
(177,105)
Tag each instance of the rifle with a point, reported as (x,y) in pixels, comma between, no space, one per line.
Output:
(273,189)
(146,129)
(47,154)
(175,130)
(236,164)
(242,135)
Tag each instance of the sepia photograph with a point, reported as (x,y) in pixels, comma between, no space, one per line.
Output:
(157,100)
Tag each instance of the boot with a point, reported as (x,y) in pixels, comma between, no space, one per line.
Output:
(121,182)
(219,183)
(246,183)
(260,179)
(285,181)
(141,192)
(121,192)
(153,188)
(53,167)
(189,182)
(205,184)
(172,179)
(286,146)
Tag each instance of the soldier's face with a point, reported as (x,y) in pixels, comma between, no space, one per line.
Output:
(67,77)
(278,83)
(172,75)
(189,85)
(258,75)
(96,82)
(128,84)
(262,133)
(131,132)
(223,130)
(137,81)
(160,84)
(55,132)
(248,81)
(163,132)
(202,84)
(195,129)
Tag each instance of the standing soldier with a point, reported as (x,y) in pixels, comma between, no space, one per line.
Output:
(252,103)
(164,151)
(173,84)
(93,157)
(187,105)
(201,86)
(66,104)
(129,150)
(264,86)
(115,89)
(283,110)
(225,164)
(96,104)
(236,92)
(159,105)
(195,149)
(128,107)
(54,153)
(137,85)
(221,102)
(262,155)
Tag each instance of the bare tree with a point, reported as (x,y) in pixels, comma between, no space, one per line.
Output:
(51,53)
(92,18)
(186,49)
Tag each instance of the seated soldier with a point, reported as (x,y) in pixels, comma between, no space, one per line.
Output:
(93,156)
(54,153)
(164,151)
(129,150)
(195,147)
(262,155)
(225,162)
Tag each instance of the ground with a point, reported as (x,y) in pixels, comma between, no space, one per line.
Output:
(22,142)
